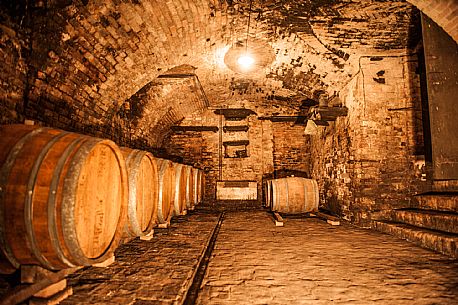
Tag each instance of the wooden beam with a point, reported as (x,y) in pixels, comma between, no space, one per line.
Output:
(332,220)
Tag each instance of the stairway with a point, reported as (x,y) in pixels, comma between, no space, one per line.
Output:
(433,224)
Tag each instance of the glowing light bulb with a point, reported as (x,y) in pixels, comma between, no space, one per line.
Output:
(246,61)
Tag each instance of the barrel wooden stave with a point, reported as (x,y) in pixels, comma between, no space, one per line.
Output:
(143,192)
(294,195)
(34,204)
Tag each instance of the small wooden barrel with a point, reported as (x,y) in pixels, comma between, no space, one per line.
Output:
(166,190)
(63,199)
(181,181)
(143,192)
(294,195)
(190,188)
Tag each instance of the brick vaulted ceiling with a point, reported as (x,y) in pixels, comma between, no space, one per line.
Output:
(93,56)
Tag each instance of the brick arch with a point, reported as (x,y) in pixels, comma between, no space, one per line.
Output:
(443,12)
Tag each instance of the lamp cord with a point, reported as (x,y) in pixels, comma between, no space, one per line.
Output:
(248,27)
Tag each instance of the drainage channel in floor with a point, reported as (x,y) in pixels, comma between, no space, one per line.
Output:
(193,291)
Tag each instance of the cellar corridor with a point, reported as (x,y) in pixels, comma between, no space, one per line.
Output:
(149,150)
(254,262)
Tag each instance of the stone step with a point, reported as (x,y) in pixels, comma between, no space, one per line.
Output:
(438,201)
(445,243)
(428,219)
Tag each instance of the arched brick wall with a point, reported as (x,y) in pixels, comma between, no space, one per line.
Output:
(75,66)
(443,12)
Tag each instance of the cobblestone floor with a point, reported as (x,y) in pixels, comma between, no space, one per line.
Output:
(148,272)
(310,262)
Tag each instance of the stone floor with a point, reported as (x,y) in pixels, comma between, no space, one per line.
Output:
(305,262)
(311,262)
(148,272)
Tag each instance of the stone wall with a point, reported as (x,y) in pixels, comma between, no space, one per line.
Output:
(373,159)
(274,147)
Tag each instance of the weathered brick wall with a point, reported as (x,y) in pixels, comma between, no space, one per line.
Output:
(290,151)
(13,69)
(373,159)
(273,146)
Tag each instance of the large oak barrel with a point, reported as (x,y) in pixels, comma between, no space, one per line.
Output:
(181,180)
(166,190)
(143,192)
(294,195)
(190,188)
(63,197)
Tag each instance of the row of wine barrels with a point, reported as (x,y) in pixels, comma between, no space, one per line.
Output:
(158,189)
(292,195)
(69,200)
(63,197)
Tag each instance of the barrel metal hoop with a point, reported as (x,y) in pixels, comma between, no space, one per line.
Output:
(68,204)
(4,174)
(268,193)
(134,160)
(52,223)
(304,184)
(176,200)
(162,168)
(287,194)
(28,206)
(196,188)
(188,186)
(152,221)
(274,196)
(317,193)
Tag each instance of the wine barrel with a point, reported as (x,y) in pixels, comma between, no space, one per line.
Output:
(63,199)
(190,188)
(181,180)
(166,190)
(143,192)
(294,195)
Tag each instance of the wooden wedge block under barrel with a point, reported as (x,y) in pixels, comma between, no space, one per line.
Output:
(294,195)
(166,185)
(143,192)
(63,197)
(181,183)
